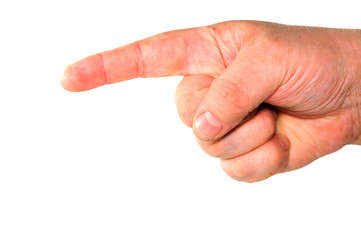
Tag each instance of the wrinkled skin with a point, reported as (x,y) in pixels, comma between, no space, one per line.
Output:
(285,95)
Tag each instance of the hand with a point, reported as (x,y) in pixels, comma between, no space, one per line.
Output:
(263,97)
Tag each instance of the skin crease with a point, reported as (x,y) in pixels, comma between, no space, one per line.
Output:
(301,84)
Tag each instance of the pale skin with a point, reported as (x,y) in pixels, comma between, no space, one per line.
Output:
(269,98)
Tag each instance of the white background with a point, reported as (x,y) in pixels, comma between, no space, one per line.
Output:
(117,163)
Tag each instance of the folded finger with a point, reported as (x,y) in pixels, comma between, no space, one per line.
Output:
(260,163)
(189,93)
(245,137)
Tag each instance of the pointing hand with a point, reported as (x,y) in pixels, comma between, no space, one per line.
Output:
(263,97)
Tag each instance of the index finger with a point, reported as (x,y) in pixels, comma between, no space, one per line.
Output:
(182,52)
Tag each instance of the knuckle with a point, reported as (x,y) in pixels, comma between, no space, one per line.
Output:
(214,149)
(241,170)
(272,161)
(236,170)
(267,123)
(275,49)
(271,49)
(273,42)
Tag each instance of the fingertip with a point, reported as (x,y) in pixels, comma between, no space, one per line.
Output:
(66,80)
(83,75)
(284,142)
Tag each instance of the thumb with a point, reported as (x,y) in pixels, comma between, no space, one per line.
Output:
(245,84)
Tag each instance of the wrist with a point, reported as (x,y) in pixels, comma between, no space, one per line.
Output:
(355,57)
(357,109)
(357,112)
